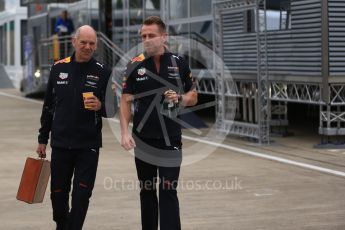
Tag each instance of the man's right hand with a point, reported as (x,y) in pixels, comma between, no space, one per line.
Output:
(127,142)
(41,150)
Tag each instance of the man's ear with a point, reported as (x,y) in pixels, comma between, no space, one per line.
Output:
(74,42)
(165,37)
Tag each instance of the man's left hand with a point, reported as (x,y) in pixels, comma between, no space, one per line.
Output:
(93,103)
(171,95)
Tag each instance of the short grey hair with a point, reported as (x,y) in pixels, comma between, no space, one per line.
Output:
(77,32)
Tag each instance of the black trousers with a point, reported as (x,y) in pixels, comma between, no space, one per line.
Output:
(82,165)
(167,209)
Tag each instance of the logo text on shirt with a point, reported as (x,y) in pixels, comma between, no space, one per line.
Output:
(62,82)
(142,78)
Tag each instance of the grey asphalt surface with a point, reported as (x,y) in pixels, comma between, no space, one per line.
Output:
(227,190)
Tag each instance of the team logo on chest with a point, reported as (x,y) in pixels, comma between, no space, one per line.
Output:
(92,77)
(91,81)
(63,76)
(141,71)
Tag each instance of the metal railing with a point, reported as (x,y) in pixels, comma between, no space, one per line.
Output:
(108,53)
(56,48)
(53,49)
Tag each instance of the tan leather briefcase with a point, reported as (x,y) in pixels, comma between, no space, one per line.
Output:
(34,180)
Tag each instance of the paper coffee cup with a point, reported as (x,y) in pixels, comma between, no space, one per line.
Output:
(86,95)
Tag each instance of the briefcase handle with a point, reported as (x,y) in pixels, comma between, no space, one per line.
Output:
(41,158)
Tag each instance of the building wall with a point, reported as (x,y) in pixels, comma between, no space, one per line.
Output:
(2,5)
(11,42)
(190,19)
(294,49)
(10,24)
(127,16)
(336,12)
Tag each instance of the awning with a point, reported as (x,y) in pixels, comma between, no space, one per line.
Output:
(27,2)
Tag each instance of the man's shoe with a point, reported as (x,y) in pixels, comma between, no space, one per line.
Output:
(61,226)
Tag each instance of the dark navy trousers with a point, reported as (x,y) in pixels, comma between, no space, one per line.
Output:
(151,172)
(81,164)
